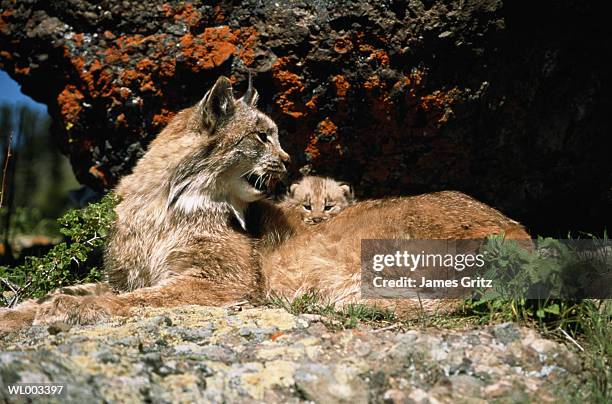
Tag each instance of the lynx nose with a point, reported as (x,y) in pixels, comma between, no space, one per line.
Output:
(317,219)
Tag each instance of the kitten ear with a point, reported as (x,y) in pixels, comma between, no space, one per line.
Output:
(218,104)
(251,95)
(347,190)
(292,189)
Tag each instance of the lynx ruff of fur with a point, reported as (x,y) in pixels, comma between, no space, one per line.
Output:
(179,236)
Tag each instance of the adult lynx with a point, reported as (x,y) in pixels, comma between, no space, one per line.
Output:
(180,234)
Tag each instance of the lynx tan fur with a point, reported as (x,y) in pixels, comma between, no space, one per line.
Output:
(180,234)
(326,257)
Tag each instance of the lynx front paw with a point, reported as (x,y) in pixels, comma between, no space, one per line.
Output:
(73,310)
(16,319)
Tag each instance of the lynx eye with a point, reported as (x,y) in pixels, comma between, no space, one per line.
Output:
(328,207)
(263,137)
(307,207)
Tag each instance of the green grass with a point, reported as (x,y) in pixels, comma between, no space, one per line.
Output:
(336,318)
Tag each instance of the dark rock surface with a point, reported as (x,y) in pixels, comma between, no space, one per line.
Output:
(505,100)
(198,354)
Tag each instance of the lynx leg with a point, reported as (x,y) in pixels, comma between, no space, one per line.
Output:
(28,312)
(17,318)
(177,291)
(86,289)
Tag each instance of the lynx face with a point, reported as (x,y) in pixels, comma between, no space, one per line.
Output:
(252,154)
(237,157)
(318,199)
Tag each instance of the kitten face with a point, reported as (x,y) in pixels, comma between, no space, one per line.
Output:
(318,199)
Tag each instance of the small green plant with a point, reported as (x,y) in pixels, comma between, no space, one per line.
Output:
(543,284)
(70,262)
(560,271)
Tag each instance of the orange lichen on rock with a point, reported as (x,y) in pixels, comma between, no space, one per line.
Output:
(290,84)
(380,56)
(312,150)
(341,84)
(247,38)
(183,13)
(146,68)
(167,68)
(167,9)
(87,74)
(127,76)
(69,101)
(404,81)
(208,49)
(124,92)
(372,82)
(186,13)
(148,85)
(146,65)
(439,103)
(113,55)
(78,63)
(312,103)
(364,47)
(438,99)
(95,66)
(218,14)
(327,128)
(343,45)
(322,143)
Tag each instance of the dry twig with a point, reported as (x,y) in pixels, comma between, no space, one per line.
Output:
(5,168)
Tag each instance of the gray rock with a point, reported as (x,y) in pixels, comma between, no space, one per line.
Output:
(204,354)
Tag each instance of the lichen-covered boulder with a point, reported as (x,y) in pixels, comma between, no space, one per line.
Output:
(199,354)
(504,100)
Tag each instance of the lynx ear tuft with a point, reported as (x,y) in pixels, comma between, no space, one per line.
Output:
(218,103)
(348,191)
(251,95)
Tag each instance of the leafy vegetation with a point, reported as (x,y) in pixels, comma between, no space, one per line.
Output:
(560,270)
(75,260)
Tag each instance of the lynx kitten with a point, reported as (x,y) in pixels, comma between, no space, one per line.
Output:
(318,199)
